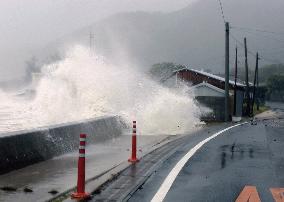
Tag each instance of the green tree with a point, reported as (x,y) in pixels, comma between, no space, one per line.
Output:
(161,71)
(268,71)
(275,83)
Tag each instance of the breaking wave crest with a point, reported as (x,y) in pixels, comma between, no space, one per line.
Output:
(85,86)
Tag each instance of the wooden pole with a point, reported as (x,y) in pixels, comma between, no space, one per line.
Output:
(247,80)
(227,55)
(235,87)
(254,83)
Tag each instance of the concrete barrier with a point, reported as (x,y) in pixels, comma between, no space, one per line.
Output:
(23,148)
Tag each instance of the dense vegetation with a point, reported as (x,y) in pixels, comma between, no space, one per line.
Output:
(271,80)
(269,71)
(162,71)
(275,83)
(265,72)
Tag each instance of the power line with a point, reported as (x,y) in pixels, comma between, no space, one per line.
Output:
(261,35)
(274,51)
(92,38)
(238,42)
(250,30)
(270,60)
(257,30)
(222,10)
(242,44)
(252,52)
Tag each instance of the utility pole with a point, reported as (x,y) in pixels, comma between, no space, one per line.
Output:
(227,55)
(257,92)
(247,79)
(235,87)
(92,43)
(254,83)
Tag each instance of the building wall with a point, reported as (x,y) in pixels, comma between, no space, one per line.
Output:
(240,100)
(216,104)
(206,91)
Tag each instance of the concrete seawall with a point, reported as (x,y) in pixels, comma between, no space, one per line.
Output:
(23,148)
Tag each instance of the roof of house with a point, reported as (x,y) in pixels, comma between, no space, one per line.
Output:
(211,76)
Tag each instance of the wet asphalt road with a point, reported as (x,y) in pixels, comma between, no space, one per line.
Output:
(252,154)
(133,178)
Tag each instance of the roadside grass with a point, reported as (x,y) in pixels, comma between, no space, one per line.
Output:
(262,108)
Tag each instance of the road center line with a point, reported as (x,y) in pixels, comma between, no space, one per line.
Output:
(166,185)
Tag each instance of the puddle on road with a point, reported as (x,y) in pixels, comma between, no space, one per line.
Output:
(9,189)
(236,152)
(223,160)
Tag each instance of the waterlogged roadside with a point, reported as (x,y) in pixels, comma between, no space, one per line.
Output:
(59,174)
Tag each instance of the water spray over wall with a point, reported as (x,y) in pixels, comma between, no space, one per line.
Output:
(86,86)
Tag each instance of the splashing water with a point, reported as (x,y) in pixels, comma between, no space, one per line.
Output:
(83,86)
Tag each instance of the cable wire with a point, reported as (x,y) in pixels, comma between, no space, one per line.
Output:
(261,35)
(256,30)
(242,44)
(222,10)
(252,52)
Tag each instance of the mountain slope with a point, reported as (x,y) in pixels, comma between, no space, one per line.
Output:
(193,36)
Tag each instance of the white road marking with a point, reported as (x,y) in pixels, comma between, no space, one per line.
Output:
(165,187)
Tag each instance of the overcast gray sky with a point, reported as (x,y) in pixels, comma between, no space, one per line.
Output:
(26,25)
